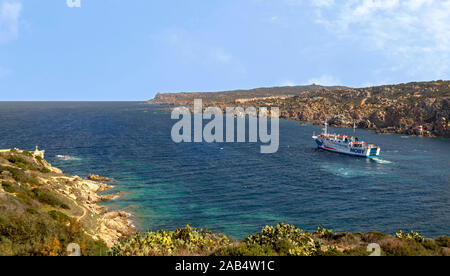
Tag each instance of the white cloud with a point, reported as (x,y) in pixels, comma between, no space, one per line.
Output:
(415,34)
(73,3)
(9,20)
(325,80)
(322,3)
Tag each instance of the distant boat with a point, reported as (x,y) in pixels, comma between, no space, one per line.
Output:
(349,145)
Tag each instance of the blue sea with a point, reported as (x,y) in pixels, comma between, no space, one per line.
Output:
(233,188)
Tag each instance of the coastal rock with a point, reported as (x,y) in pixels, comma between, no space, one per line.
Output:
(115,226)
(96,177)
(80,197)
(398,108)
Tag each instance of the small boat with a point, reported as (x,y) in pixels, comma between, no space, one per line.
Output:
(343,144)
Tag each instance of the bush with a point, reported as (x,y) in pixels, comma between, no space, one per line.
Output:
(36,234)
(374,236)
(246,250)
(285,240)
(8,187)
(185,241)
(410,236)
(405,248)
(20,162)
(44,170)
(49,199)
(324,233)
(20,176)
(58,216)
(27,153)
(443,241)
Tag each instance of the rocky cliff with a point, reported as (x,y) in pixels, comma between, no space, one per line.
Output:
(231,96)
(43,210)
(401,108)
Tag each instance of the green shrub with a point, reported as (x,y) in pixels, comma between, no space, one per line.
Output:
(330,252)
(285,237)
(410,236)
(246,250)
(44,170)
(361,251)
(31,211)
(58,216)
(49,199)
(324,233)
(407,248)
(35,234)
(20,176)
(374,236)
(24,197)
(185,241)
(8,187)
(20,162)
(64,206)
(443,241)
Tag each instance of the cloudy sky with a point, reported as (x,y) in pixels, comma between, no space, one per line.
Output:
(132,49)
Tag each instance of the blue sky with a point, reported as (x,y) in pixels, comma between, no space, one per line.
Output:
(132,49)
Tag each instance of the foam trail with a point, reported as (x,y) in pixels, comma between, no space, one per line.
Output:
(348,172)
(68,158)
(381,161)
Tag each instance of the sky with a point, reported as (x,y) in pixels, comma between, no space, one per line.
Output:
(130,50)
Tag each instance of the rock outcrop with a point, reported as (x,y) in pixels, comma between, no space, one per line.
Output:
(96,177)
(28,180)
(412,108)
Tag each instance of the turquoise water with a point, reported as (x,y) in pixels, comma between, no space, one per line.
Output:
(232,187)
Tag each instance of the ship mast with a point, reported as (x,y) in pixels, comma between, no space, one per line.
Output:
(354,131)
(326,128)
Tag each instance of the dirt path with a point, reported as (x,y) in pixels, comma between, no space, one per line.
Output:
(84,213)
(365,99)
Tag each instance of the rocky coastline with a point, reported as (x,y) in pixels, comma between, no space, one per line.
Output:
(418,108)
(30,184)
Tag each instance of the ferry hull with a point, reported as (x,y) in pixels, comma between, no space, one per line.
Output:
(344,149)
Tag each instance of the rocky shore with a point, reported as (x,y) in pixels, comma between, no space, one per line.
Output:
(38,193)
(96,177)
(111,226)
(418,108)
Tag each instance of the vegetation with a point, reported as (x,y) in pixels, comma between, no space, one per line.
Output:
(279,240)
(410,236)
(185,241)
(39,234)
(33,218)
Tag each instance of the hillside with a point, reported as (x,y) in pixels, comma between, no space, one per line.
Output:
(398,108)
(43,210)
(231,96)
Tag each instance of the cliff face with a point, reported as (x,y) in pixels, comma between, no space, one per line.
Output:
(391,108)
(43,210)
(232,96)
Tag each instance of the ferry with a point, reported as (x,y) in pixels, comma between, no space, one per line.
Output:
(349,145)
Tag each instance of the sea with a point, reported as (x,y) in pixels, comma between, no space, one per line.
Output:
(232,187)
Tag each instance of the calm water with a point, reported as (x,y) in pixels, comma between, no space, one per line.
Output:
(232,187)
